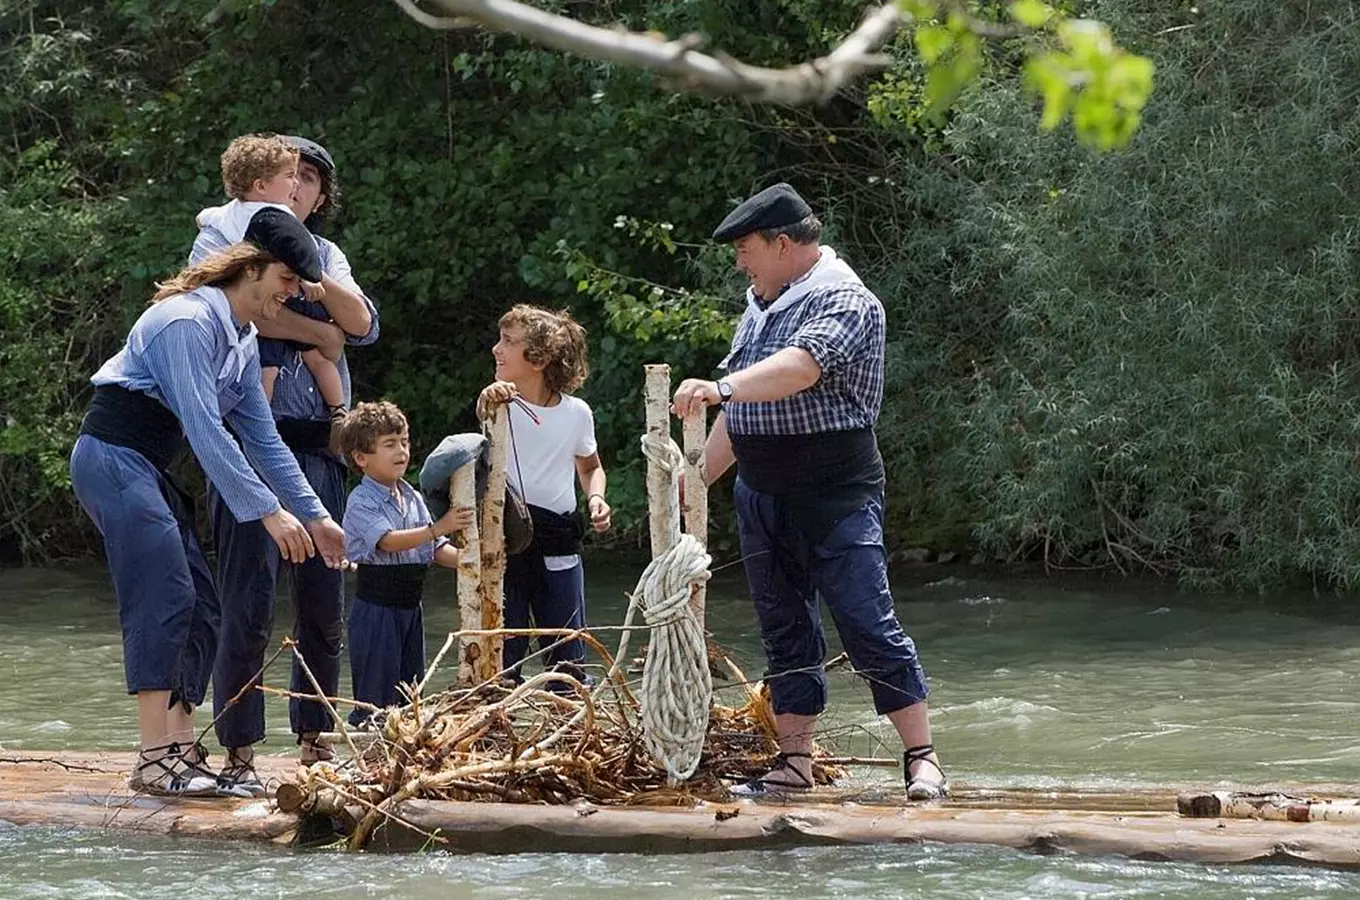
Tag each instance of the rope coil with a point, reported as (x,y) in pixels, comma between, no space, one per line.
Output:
(677,687)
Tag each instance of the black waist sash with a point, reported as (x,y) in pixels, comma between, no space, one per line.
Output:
(400,586)
(822,478)
(137,421)
(556,534)
(305,435)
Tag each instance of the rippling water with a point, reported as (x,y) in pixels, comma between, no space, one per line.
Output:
(1034,683)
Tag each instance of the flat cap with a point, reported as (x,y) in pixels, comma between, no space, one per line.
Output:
(311,151)
(279,232)
(776,206)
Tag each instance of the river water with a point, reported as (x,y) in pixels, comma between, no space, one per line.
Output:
(1035,683)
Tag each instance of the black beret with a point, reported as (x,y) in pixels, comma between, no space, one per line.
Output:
(280,233)
(776,206)
(312,152)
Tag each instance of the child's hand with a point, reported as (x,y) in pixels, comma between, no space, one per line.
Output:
(456,519)
(492,394)
(599,513)
(313,291)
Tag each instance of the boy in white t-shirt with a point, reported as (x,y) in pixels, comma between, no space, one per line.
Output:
(541,358)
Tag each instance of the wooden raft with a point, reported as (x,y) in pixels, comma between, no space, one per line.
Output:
(88,790)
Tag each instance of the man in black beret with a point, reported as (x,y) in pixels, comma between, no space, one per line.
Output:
(799,404)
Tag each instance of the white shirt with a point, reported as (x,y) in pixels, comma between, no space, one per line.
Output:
(542,459)
(232,219)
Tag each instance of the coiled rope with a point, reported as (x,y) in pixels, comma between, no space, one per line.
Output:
(677,687)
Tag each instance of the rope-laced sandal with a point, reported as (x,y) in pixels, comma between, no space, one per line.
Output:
(918,786)
(315,750)
(177,772)
(238,777)
(765,786)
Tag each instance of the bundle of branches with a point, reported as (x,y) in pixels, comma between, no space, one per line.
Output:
(550,740)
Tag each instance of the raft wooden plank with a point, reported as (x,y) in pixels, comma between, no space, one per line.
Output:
(88,790)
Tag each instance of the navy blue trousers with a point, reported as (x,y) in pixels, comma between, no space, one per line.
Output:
(167,604)
(552,599)
(848,570)
(248,564)
(386,647)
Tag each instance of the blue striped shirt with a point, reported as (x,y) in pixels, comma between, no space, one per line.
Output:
(295,393)
(842,326)
(188,352)
(372,511)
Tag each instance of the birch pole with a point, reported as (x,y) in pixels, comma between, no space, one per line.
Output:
(463,492)
(696,499)
(493,545)
(663,495)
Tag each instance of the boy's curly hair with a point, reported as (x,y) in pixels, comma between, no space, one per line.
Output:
(253,156)
(554,338)
(365,425)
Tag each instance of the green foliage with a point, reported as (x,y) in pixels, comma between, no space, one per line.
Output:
(1102,87)
(1074,65)
(1139,358)
(1174,377)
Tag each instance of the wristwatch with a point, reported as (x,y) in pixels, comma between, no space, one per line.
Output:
(724,390)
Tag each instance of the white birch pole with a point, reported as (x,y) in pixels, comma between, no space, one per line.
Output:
(663,496)
(492,600)
(696,498)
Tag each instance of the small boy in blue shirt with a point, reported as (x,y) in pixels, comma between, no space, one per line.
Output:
(390,535)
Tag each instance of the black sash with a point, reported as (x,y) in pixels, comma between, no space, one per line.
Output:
(556,534)
(137,421)
(399,587)
(822,478)
(305,435)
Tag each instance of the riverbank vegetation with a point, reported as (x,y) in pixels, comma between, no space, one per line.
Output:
(1142,359)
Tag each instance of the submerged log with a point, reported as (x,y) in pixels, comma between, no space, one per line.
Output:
(89,790)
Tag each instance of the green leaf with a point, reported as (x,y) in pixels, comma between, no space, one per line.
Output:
(933,41)
(1031,13)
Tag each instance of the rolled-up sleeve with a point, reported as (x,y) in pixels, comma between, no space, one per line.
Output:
(839,327)
(364,526)
(338,267)
(179,359)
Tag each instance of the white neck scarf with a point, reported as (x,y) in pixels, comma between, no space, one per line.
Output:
(240,347)
(830,269)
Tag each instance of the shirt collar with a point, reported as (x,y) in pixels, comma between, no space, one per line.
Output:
(241,345)
(799,280)
(378,489)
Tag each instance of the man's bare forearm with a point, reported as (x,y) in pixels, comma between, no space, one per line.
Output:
(347,309)
(775,377)
(291,326)
(718,456)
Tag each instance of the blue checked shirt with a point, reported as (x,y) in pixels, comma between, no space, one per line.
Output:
(372,512)
(842,325)
(295,393)
(188,352)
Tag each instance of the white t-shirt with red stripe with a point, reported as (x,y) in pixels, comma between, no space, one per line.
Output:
(542,460)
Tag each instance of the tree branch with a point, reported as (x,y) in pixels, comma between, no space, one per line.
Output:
(813,81)
(438,23)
